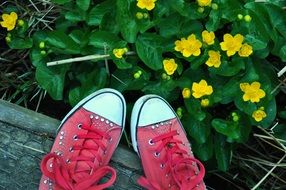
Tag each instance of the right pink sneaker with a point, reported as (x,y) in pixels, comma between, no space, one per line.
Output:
(160,140)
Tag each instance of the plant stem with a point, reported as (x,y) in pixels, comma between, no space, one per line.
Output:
(85,58)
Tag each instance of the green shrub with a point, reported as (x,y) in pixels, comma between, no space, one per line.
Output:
(210,59)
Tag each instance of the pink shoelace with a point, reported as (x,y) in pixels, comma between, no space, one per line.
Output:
(175,161)
(69,180)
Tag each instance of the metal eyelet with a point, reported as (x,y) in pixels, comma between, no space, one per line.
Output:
(157,154)
(79,126)
(151,142)
(75,138)
(110,139)
(71,149)
(91,116)
(68,161)
(162,166)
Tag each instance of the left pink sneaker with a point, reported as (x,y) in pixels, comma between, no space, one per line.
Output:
(161,142)
(86,140)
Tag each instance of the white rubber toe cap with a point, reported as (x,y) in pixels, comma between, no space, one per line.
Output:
(155,110)
(108,105)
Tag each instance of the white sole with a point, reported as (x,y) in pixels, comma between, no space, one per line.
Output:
(83,101)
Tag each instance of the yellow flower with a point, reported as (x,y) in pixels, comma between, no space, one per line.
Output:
(170,66)
(120,52)
(205,102)
(146,4)
(9,21)
(252,92)
(189,46)
(214,59)
(208,37)
(201,89)
(204,3)
(245,50)
(231,44)
(259,114)
(186,93)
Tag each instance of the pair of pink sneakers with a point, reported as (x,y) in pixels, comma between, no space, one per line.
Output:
(91,131)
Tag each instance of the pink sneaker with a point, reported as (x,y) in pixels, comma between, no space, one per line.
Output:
(160,140)
(86,140)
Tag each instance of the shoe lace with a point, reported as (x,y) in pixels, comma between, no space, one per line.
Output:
(81,178)
(180,165)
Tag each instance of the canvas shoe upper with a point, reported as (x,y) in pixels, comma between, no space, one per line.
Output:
(86,140)
(160,140)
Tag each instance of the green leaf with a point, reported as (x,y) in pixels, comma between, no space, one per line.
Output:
(61,40)
(223,152)
(80,37)
(230,68)
(227,128)
(97,12)
(199,131)
(90,82)
(122,64)
(214,20)
(19,43)
(83,4)
(246,107)
(61,1)
(255,42)
(37,58)
(75,15)
(52,79)
(204,151)
(282,53)
(194,108)
(280,132)
(126,20)
(102,39)
(149,49)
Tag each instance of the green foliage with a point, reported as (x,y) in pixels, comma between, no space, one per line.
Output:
(105,28)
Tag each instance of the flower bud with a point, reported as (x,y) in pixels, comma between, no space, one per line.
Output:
(139,15)
(42,45)
(146,15)
(43,52)
(247,18)
(214,6)
(136,75)
(8,39)
(21,22)
(186,93)
(235,118)
(179,112)
(240,16)
(9,34)
(164,76)
(201,10)
(205,102)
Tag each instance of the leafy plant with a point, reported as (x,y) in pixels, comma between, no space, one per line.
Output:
(210,59)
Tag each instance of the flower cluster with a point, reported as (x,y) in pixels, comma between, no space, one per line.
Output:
(233,44)
(199,90)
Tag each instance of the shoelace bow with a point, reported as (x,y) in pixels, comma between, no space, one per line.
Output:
(174,160)
(68,180)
